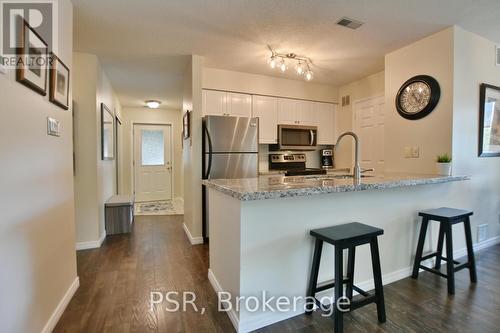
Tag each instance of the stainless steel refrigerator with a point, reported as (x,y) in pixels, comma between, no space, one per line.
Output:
(230,151)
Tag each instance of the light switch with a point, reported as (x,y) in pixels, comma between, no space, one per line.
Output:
(407,152)
(415,152)
(53,127)
(3,70)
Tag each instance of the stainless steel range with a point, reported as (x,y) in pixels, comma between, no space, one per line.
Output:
(293,164)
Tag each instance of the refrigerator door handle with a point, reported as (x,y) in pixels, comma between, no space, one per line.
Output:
(209,167)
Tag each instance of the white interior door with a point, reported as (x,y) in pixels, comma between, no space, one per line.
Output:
(369,124)
(152,162)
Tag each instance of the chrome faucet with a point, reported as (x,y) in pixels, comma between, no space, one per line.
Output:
(357,168)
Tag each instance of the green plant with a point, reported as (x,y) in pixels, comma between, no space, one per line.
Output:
(445,158)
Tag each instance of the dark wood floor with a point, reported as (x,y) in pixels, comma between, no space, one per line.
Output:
(116,280)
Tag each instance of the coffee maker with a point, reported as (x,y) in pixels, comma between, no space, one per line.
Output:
(326,158)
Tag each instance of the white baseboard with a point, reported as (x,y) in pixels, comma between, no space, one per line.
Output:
(217,287)
(92,244)
(56,315)
(192,240)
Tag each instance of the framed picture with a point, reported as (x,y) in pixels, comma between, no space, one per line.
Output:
(107,133)
(32,63)
(186,125)
(489,121)
(59,82)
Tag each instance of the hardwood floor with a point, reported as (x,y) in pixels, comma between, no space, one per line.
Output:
(116,280)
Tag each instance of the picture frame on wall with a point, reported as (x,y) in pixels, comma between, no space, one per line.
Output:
(59,82)
(107,133)
(489,121)
(186,125)
(32,59)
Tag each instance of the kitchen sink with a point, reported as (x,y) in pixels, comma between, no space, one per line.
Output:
(333,177)
(349,176)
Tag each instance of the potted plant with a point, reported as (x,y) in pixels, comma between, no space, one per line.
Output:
(444,165)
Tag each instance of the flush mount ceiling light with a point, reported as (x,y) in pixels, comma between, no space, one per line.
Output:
(282,60)
(152,104)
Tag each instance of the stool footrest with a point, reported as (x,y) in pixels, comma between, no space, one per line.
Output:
(360,291)
(428,256)
(454,261)
(461,266)
(329,285)
(432,270)
(365,301)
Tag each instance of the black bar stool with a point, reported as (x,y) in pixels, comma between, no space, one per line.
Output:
(346,236)
(447,217)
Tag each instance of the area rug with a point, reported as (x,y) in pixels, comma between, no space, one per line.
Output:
(164,207)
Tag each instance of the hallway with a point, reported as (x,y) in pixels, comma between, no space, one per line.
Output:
(117,278)
(115,282)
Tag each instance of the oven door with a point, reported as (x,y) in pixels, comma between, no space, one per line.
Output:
(297,137)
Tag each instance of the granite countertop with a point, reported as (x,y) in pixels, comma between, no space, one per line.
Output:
(278,186)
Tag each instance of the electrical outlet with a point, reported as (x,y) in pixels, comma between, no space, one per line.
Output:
(415,152)
(482,232)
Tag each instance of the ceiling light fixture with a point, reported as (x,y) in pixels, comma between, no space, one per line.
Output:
(152,104)
(302,64)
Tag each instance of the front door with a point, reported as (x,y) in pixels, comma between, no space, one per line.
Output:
(152,162)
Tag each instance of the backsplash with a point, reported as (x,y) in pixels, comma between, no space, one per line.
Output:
(312,157)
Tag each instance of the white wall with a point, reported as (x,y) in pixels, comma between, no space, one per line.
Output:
(95,179)
(267,85)
(37,242)
(431,56)
(192,101)
(371,86)
(473,65)
(146,116)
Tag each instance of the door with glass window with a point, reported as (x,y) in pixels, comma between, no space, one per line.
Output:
(152,162)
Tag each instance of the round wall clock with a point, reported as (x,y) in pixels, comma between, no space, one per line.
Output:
(417,97)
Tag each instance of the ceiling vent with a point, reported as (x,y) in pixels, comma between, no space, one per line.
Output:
(498,55)
(349,23)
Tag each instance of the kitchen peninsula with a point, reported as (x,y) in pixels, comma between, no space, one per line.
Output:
(259,231)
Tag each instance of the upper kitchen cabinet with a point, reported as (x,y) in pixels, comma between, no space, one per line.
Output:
(325,120)
(266,109)
(287,111)
(214,103)
(221,103)
(239,105)
(306,113)
(296,112)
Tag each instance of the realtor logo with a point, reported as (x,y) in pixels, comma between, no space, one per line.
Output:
(39,15)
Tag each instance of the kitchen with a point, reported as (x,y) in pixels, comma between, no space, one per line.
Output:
(259,221)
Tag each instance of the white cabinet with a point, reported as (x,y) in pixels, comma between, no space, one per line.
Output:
(296,112)
(221,103)
(287,111)
(306,113)
(325,120)
(266,109)
(214,102)
(239,105)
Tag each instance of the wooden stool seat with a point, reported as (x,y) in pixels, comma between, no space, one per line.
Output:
(346,236)
(447,217)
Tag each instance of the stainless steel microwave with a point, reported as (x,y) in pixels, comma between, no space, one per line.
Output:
(293,137)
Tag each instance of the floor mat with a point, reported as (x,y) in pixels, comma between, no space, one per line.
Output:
(164,207)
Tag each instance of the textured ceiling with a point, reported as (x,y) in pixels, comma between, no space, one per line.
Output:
(233,34)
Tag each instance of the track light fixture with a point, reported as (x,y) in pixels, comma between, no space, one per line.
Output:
(281,60)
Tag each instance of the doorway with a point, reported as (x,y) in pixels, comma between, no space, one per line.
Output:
(152,162)
(369,124)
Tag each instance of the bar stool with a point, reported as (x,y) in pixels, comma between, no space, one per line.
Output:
(447,217)
(346,236)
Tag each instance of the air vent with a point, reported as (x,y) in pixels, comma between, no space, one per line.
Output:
(346,100)
(498,55)
(349,23)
